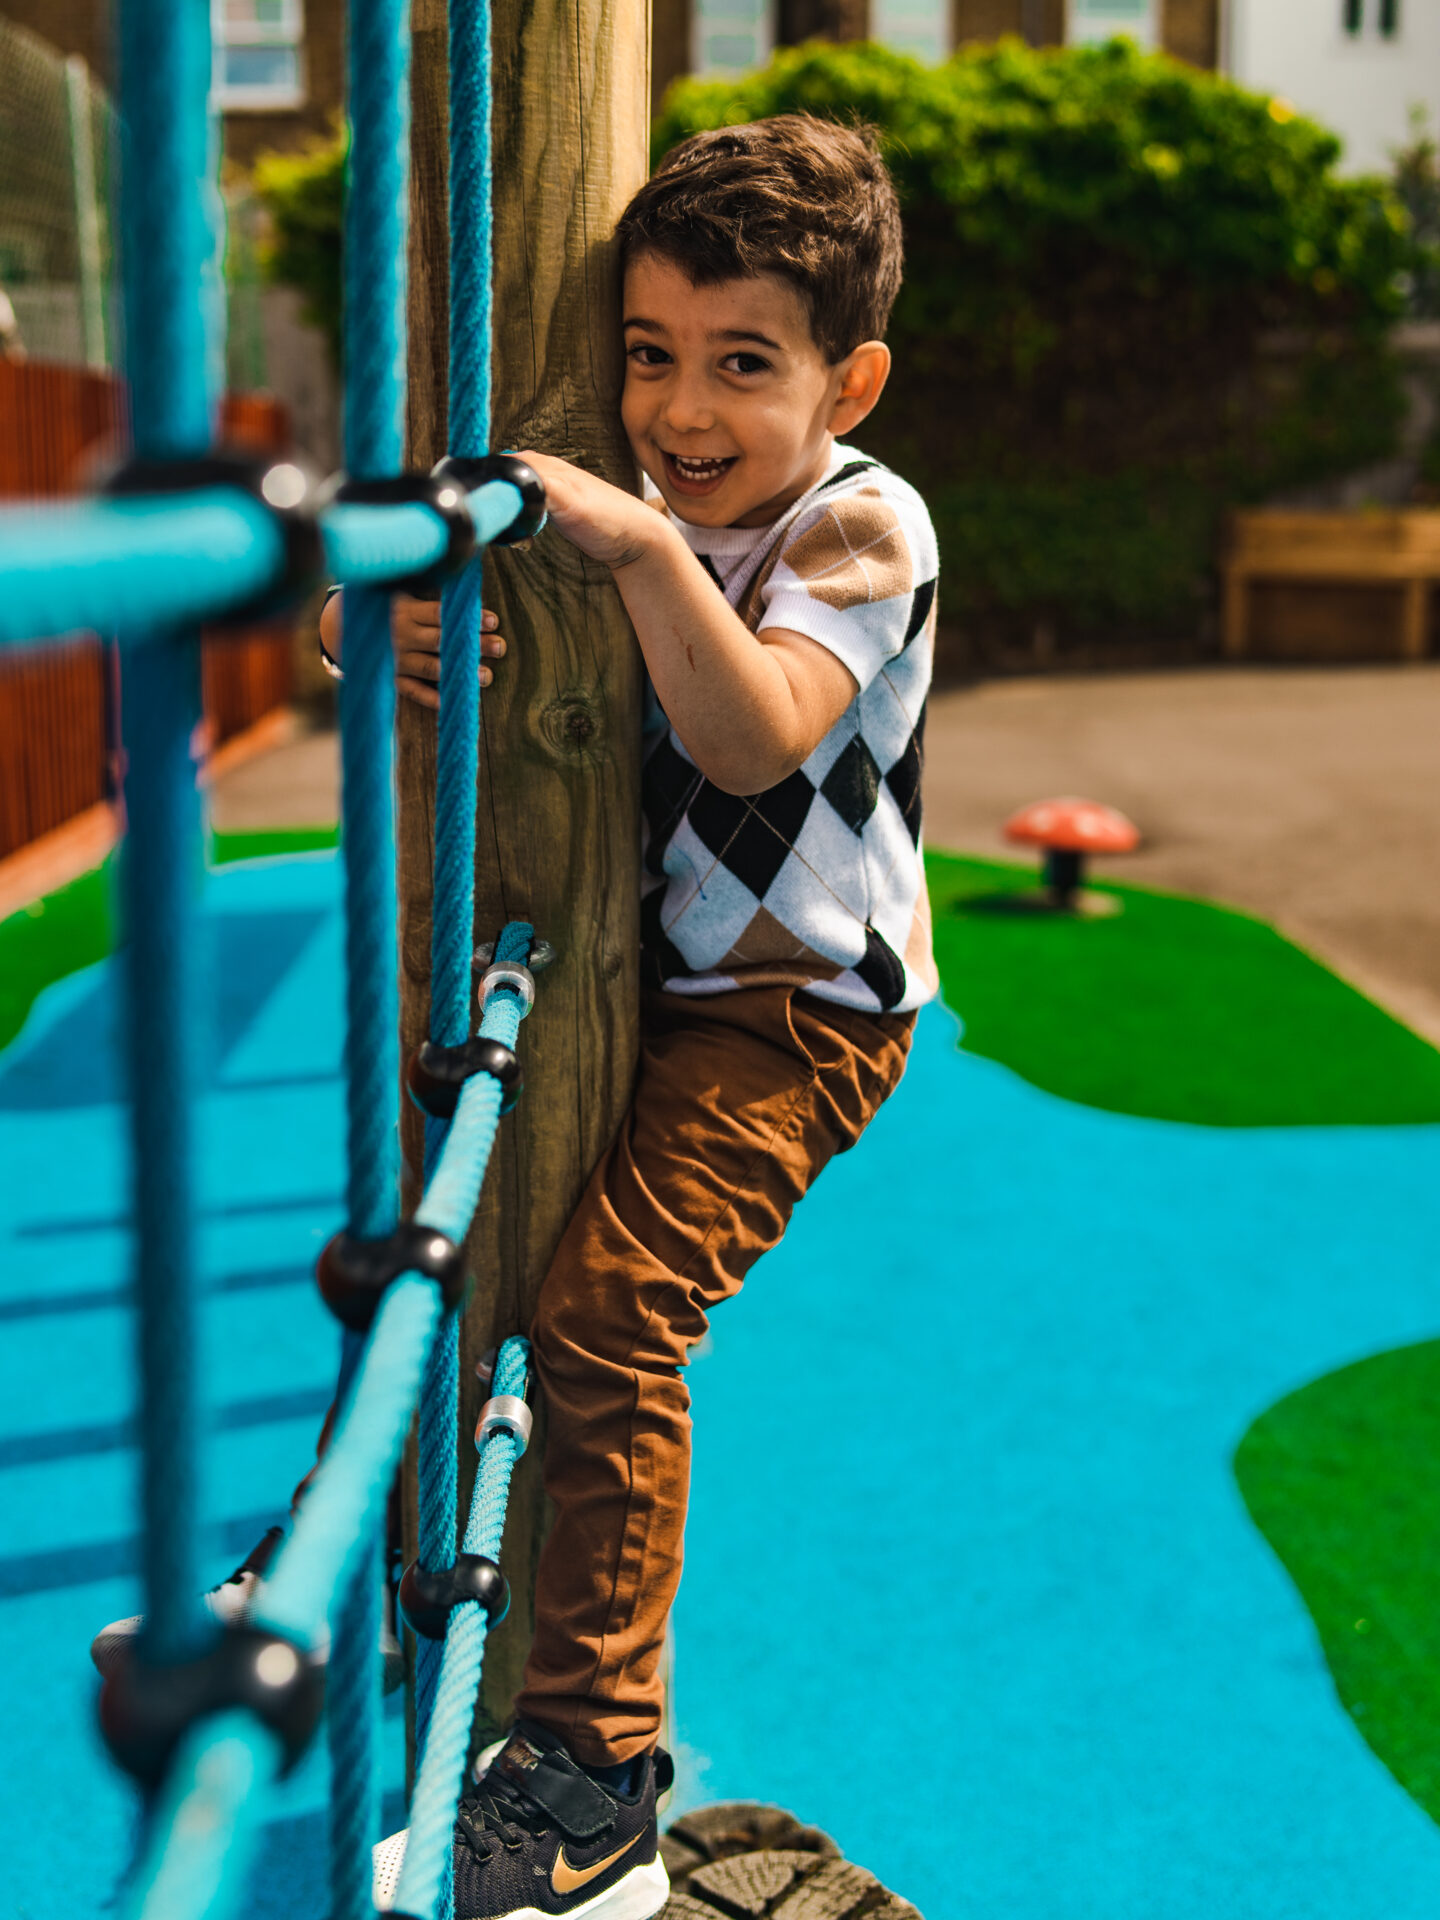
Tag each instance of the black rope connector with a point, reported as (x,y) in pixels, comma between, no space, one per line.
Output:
(436,1074)
(444,499)
(428,1595)
(353,1274)
(146,1711)
(472,473)
(281,487)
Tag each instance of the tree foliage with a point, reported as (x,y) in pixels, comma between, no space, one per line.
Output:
(304,195)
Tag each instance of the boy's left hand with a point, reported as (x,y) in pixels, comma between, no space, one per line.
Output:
(603,521)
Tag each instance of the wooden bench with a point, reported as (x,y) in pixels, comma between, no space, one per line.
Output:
(1395,547)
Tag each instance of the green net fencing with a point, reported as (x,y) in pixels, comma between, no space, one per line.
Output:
(57,134)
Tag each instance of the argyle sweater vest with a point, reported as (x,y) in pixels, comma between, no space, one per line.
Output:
(817,882)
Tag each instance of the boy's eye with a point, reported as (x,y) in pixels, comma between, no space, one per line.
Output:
(646,354)
(745,363)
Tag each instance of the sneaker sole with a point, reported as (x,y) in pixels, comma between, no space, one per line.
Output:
(639,1896)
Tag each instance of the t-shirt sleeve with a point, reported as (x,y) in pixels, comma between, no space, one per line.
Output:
(858,575)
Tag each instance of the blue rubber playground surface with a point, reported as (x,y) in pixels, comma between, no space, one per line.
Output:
(968,1583)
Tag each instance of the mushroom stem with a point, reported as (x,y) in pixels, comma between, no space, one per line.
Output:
(1063,871)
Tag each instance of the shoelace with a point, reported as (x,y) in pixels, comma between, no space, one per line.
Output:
(494,1813)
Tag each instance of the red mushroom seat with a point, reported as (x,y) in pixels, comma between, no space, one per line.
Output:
(1068,829)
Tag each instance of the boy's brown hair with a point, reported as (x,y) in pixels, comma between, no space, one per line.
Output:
(792,195)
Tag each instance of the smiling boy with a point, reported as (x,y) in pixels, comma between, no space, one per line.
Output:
(783,598)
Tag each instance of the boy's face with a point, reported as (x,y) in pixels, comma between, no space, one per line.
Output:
(729,403)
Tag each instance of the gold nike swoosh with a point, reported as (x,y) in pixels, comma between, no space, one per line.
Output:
(566,1879)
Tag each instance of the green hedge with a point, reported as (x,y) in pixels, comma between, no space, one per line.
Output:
(304,195)
(1099,242)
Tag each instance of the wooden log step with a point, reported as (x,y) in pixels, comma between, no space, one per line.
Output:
(745,1861)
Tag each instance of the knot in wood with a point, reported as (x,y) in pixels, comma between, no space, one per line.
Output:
(571,724)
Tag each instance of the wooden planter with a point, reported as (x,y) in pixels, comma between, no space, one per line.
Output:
(1330,586)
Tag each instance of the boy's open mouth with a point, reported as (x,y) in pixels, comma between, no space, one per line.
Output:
(695,474)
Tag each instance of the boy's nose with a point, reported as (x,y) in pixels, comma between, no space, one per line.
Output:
(687,409)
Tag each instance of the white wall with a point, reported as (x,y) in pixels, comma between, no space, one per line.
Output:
(1360,85)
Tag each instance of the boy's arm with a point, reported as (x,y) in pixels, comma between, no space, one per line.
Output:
(749,708)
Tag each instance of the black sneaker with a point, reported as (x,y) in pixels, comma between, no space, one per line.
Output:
(538,1838)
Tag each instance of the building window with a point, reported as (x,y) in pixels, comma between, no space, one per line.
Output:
(917,27)
(257,53)
(1387,17)
(1095,20)
(733,36)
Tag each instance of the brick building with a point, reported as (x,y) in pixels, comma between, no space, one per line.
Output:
(279,64)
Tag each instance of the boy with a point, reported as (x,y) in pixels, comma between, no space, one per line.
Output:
(784,603)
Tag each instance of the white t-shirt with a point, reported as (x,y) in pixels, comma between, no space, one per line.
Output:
(817,882)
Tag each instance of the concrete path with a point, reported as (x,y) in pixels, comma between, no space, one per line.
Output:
(295,785)
(1308,796)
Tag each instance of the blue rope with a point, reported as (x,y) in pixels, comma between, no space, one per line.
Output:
(470,227)
(152,568)
(426,1887)
(374,348)
(168,241)
(164,60)
(457,765)
(202,1838)
(375,237)
(374,310)
(346,1501)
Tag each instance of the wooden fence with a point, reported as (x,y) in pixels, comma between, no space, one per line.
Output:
(58,704)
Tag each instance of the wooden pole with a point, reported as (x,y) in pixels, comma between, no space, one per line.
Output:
(558,838)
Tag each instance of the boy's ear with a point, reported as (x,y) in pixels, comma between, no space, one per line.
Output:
(863,374)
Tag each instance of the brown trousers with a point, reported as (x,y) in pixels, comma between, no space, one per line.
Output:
(741,1100)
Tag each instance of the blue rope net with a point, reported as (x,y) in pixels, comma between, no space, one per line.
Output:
(190,540)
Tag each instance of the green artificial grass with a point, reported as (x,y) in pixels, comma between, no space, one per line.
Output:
(1172,1009)
(75,926)
(1338,1478)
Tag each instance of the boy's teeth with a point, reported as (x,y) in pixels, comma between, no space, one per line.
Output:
(699,469)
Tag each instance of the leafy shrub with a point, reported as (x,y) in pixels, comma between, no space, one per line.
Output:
(1417,185)
(304,195)
(1100,243)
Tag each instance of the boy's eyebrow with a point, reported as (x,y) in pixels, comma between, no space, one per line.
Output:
(742,333)
(719,333)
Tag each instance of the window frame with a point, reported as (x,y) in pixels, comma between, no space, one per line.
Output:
(288,33)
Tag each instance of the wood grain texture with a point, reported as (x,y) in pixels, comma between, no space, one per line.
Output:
(559,780)
(1190,29)
(750,1885)
(749,1861)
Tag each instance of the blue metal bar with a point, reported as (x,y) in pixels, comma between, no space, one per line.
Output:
(139,565)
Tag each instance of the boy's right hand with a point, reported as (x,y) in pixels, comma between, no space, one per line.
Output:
(415,637)
(415,633)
